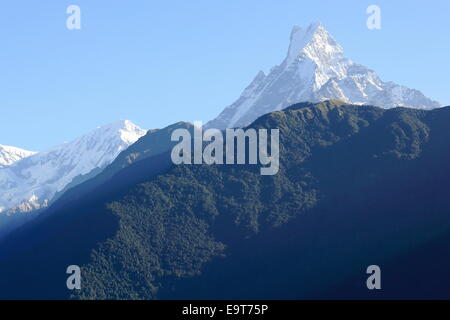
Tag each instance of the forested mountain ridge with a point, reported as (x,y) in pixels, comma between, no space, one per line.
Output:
(357,185)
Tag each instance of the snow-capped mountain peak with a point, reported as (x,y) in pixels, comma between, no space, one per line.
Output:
(33,181)
(316,69)
(314,43)
(10,155)
(130,132)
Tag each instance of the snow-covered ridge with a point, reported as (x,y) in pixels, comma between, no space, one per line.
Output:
(10,155)
(32,182)
(315,69)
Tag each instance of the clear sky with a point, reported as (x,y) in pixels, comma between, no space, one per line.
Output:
(158,62)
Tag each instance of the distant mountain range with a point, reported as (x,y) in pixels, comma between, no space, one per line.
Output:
(315,69)
(32,180)
(10,155)
(362,181)
(350,193)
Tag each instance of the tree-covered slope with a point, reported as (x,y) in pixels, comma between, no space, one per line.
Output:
(356,186)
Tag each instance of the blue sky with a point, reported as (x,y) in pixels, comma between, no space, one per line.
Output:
(158,62)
